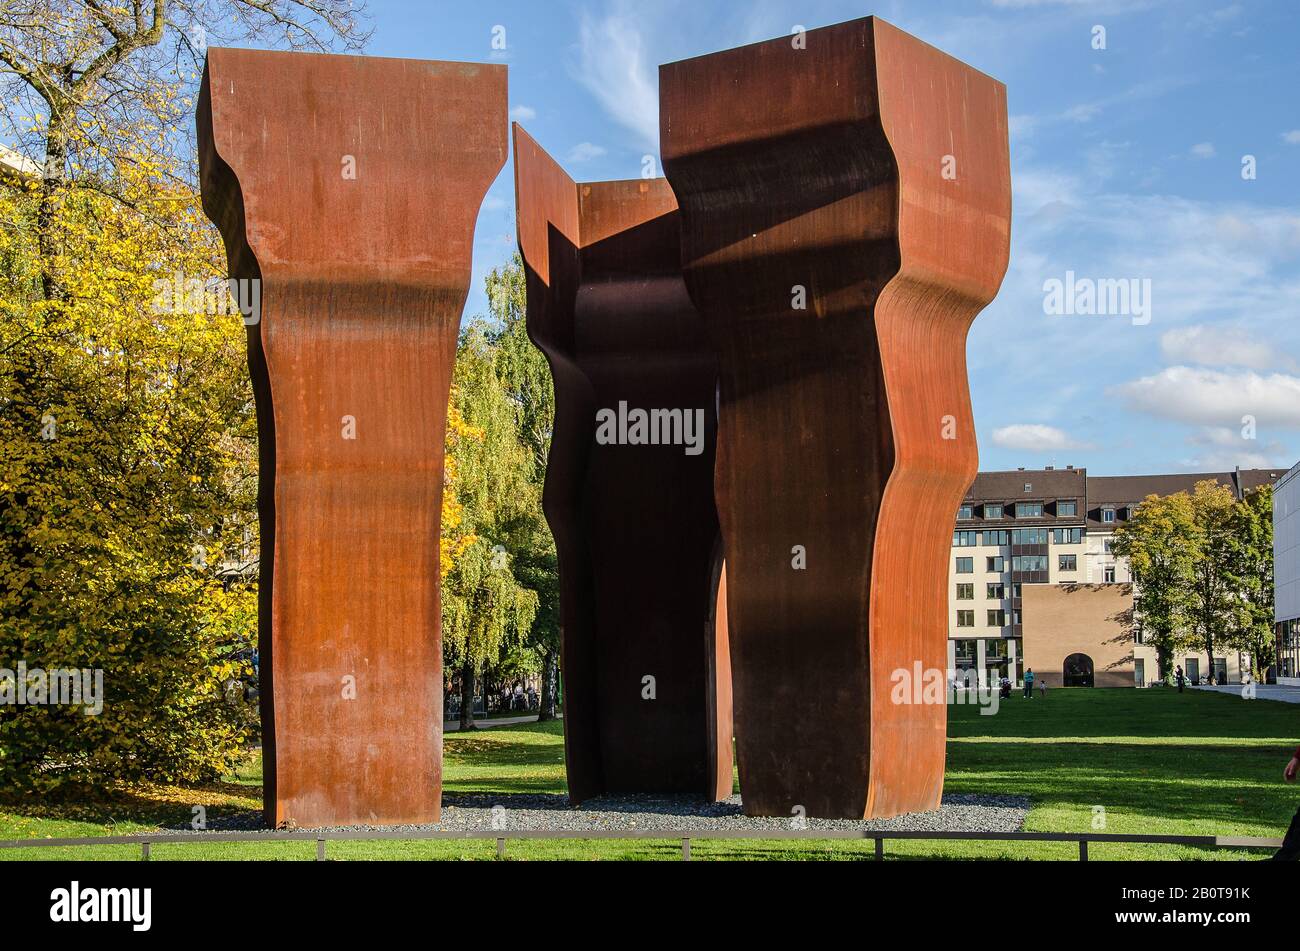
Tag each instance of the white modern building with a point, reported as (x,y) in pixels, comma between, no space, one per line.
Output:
(1286,575)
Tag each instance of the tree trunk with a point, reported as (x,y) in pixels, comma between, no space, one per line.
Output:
(467,697)
(52,182)
(546,702)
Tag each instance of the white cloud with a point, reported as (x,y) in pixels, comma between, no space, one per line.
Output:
(523,113)
(1203,150)
(1292,137)
(1034,437)
(1215,398)
(1222,346)
(585,152)
(614,67)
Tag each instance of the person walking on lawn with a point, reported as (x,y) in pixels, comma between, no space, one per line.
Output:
(1029,684)
(1178,675)
(1290,850)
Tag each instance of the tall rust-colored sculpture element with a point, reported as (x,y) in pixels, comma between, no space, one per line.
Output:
(632,511)
(845,205)
(349,186)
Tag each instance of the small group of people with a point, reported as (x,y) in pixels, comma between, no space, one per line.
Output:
(519,698)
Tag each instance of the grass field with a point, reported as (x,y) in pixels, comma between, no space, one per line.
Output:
(1154,760)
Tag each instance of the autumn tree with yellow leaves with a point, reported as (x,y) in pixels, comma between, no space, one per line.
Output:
(127,434)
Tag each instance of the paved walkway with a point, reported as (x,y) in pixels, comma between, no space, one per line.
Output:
(451,726)
(1262,691)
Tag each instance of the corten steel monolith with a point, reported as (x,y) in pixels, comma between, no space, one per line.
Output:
(635,524)
(350,186)
(845,205)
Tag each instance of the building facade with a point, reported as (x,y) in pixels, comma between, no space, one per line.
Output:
(1286,575)
(1056,527)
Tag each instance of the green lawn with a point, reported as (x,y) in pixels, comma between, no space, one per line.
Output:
(1154,760)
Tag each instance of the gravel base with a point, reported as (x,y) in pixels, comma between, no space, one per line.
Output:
(542,812)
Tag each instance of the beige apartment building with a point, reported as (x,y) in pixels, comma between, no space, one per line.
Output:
(1033,581)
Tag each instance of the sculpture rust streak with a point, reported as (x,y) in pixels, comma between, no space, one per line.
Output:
(349,186)
(635,524)
(821,170)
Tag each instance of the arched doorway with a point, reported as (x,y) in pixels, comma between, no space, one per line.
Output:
(1077,671)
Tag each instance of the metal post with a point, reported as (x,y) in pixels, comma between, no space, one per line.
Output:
(501,848)
(144,851)
(1083,850)
(686,850)
(320,850)
(880,848)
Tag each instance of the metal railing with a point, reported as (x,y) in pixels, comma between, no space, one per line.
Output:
(145,840)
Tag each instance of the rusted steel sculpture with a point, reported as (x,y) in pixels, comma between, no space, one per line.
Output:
(845,206)
(631,508)
(349,186)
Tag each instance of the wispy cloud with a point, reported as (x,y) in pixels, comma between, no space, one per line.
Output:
(585,152)
(614,66)
(1221,346)
(1034,437)
(1203,150)
(523,113)
(1214,397)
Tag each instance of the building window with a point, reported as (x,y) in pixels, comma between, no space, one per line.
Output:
(1067,562)
(1067,536)
(965,539)
(1029,536)
(1029,487)
(965,592)
(1029,563)
(964,649)
(1002,537)
(965,566)
(996,563)
(1108,575)
(1067,509)
(1029,510)
(1016,617)
(1108,545)
(997,618)
(965,618)
(995,591)
(1015,591)
(964,512)
(993,511)
(1131,512)
(995,649)
(1108,515)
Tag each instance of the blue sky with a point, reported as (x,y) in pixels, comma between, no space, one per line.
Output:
(1126,164)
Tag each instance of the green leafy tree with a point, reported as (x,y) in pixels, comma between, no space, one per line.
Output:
(526,377)
(1249,564)
(1212,595)
(487,610)
(1160,543)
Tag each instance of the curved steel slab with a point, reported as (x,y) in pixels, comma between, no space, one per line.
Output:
(350,186)
(822,168)
(635,525)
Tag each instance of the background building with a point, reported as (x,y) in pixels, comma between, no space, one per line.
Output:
(1035,527)
(1286,575)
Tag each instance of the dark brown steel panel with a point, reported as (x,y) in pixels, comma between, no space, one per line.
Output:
(350,186)
(635,526)
(821,167)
